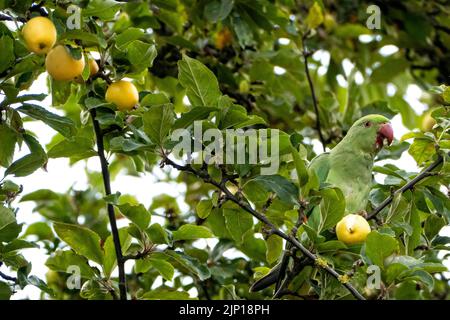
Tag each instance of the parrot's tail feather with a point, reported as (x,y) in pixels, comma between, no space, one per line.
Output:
(267,280)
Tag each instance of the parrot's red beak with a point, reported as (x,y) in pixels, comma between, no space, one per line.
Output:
(385,133)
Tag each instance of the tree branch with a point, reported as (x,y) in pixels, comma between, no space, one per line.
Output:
(5,276)
(5,17)
(306,54)
(111,213)
(283,282)
(274,230)
(8,278)
(425,173)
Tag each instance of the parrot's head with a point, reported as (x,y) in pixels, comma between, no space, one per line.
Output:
(372,132)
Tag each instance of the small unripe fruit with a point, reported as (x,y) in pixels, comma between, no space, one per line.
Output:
(39,34)
(123,94)
(428,122)
(62,66)
(93,69)
(52,277)
(352,229)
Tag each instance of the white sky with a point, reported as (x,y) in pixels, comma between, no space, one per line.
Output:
(60,176)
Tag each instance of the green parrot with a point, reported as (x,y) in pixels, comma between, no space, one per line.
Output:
(347,166)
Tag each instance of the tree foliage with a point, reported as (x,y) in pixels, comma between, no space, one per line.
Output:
(242,64)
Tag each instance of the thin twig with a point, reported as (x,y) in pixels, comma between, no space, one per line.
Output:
(274,230)
(111,213)
(8,278)
(425,173)
(306,54)
(5,17)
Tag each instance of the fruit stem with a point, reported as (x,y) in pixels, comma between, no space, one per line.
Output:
(111,213)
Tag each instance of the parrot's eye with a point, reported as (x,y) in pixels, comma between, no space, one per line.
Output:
(367,124)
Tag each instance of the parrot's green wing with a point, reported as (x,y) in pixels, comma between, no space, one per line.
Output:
(321,166)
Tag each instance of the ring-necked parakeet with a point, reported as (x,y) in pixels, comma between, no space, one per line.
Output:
(347,166)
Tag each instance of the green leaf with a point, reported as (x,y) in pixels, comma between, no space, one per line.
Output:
(103,9)
(137,214)
(204,208)
(93,290)
(159,263)
(378,107)
(201,84)
(433,225)
(79,147)
(8,141)
(158,121)
(446,94)
(253,247)
(409,116)
(191,264)
(238,222)
(311,232)
(40,195)
(9,229)
(154,99)
(282,187)
(7,57)
(195,114)
(63,125)
(5,291)
(18,244)
(82,240)
(243,31)
(421,150)
(236,116)
(407,290)
(158,234)
(379,246)
(393,152)
(163,267)
(31,162)
(393,270)
(418,275)
(191,232)
(218,10)
(34,281)
(331,246)
(274,246)
(40,229)
(165,294)
(63,261)
(300,167)
(110,258)
(389,70)
(315,16)
(27,97)
(141,54)
(229,292)
(412,240)
(126,145)
(127,37)
(89,39)
(216,222)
